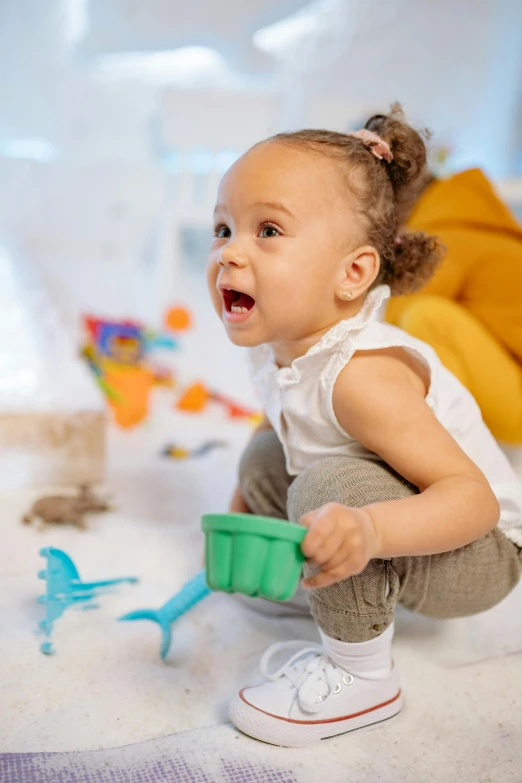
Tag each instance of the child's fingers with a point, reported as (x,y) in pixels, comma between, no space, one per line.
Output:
(340,557)
(323,579)
(318,531)
(307,519)
(330,547)
(342,565)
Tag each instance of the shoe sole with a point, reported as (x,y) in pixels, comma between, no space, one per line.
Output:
(297,734)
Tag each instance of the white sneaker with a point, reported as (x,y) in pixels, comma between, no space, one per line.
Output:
(310,698)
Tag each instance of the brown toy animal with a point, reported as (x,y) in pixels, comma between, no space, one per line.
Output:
(63,510)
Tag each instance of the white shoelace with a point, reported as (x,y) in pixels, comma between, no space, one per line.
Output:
(313,674)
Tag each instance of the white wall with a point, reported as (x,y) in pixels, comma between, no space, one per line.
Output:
(102,216)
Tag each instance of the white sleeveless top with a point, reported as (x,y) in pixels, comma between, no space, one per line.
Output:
(298,403)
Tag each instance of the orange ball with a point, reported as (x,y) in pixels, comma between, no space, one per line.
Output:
(177,319)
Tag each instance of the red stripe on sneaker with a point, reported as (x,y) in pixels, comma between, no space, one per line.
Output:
(314,722)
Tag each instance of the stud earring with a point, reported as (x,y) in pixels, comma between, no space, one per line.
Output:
(346,295)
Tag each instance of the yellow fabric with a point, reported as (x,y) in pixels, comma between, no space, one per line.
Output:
(471,310)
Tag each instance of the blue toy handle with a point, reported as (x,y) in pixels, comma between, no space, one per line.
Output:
(190,594)
(131,580)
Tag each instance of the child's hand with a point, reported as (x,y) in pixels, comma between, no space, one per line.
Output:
(340,540)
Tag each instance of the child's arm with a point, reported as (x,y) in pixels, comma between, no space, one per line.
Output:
(238,503)
(379,399)
(378,402)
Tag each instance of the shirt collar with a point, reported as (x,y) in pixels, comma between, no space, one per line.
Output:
(263,355)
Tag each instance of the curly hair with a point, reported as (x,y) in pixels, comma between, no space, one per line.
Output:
(383,194)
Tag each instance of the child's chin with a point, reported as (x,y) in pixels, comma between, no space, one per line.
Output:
(243,340)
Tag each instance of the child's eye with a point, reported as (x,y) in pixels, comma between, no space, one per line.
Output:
(218,232)
(269,228)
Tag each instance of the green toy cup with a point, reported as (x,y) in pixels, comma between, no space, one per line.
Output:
(257,556)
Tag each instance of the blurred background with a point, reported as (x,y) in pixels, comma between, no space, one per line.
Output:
(118,118)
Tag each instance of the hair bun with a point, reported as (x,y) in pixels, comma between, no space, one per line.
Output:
(408,170)
(417,256)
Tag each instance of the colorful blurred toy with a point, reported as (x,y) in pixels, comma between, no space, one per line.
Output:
(196,398)
(64,588)
(123,342)
(178,452)
(118,353)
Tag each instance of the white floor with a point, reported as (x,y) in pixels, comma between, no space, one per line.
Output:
(107,687)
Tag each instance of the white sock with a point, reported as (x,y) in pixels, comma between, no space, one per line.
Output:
(370,660)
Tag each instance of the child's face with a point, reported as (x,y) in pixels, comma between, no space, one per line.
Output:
(282,228)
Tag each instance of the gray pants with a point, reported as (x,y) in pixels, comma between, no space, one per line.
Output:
(462,582)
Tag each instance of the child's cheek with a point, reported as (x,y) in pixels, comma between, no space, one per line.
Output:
(211,284)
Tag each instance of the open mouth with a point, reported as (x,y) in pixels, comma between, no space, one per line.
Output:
(236,301)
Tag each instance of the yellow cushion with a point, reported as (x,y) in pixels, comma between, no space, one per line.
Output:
(483,266)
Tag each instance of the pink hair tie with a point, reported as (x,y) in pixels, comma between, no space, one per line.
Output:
(378,147)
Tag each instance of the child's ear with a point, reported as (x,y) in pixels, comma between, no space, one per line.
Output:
(358,271)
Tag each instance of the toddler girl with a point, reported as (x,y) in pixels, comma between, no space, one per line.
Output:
(368,440)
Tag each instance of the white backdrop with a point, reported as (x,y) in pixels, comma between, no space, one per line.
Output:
(113,134)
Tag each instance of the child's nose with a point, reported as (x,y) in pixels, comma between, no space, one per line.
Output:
(230,256)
